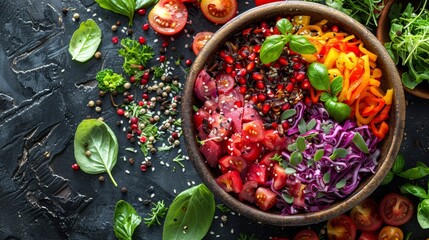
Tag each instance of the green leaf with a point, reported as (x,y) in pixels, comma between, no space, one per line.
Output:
(110,81)
(327,177)
(145,3)
(414,190)
(339,153)
(399,163)
(288,114)
(311,124)
(337,110)
(135,55)
(300,44)
(388,178)
(319,155)
(423,213)
(360,143)
(295,158)
(318,76)
(325,96)
(123,7)
(414,173)
(287,198)
(85,41)
(125,220)
(272,48)
(290,171)
(190,215)
(302,126)
(336,85)
(340,184)
(157,212)
(95,147)
(301,145)
(284,25)
(292,147)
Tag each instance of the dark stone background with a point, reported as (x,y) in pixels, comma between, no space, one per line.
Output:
(43,96)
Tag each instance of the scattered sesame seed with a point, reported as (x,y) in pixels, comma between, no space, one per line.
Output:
(140,199)
(127,171)
(152,195)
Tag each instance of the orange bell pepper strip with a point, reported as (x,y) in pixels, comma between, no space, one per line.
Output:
(383,115)
(372,56)
(361,120)
(357,71)
(346,84)
(376,104)
(380,131)
(365,81)
(315,95)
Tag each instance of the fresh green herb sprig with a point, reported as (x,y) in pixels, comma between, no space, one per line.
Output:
(423,206)
(247,237)
(135,55)
(125,7)
(223,208)
(158,212)
(125,220)
(319,79)
(273,45)
(110,81)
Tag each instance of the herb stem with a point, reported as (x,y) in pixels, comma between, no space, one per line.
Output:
(111,178)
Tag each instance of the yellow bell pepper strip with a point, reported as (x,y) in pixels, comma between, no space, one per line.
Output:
(301,20)
(331,58)
(310,30)
(346,84)
(372,56)
(365,81)
(388,98)
(357,71)
(376,91)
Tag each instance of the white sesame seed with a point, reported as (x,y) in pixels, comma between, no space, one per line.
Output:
(152,195)
(140,199)
(127,171)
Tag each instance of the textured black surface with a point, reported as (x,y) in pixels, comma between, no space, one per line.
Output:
(43,96)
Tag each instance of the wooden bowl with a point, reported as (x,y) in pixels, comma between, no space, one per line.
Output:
(421,90)
(389,147)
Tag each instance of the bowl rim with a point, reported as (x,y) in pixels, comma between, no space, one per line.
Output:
(266,12)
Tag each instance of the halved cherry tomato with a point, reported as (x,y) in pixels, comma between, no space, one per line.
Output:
(390,233)
(265,198)
(251,151)
(168,17)
(253,131)
(230,181)
(248,192)
(368,236)
(261,2)
(219,11)
(257,173)
(341,228)
(205,86)
(273,141)
(396,209)
(365,215)
(280,177)
(224,82)
(228,163)
(200,40)
(306,234)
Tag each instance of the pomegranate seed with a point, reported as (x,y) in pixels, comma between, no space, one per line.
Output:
(142,40)
(283,61)
(115,40)
(244,52)
(274,125)
(134,126)
(257,76)
(145,26)
(146,75)
(129,135)
(262,97)
(292,80)
(132,79)
(222,53)
(242,72)
(120,111)
(250,66)
(260,85)
(254,99)
(141,11)
(280,86)
(175,135)
(142,139)
(305,84)
(145,96)
(289,87)
(143,168)
(335,28)
(257,48)
(143,81)
(165,44)
(233,73)
(139,132)
(299,76)
(228,59)
(285,106)
(141,104)
(141,67)
(134,120)
(276,65)
(188,62)
(162,58)
(297,66)
(296,59)
(228,69)
(238,65)
(285,125)
(130,98)
(242,81)
(252,57)
(75,167)
(266,108)
(238,103)
(243,89)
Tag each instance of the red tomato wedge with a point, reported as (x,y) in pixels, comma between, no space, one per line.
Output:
(390,233)
(168,17)
(200,40)
(228,163)
(365,215)
(306,234)
(280,177)
(265,198)
(230,181)
(257,173)
(341,228)
(219,11)
(253,131)
(248,192)
(396,209)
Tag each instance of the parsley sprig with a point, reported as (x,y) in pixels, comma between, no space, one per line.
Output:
(135,55)
(157,212)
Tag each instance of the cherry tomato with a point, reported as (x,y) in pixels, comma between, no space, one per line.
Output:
(368,236)
(219,11)
(390,233)
(265,198)
(395,209)
(230,181)
(280,177)
(228,163)
(306,234)
(253,131)
(365,215)
(200,40)
(261,2)
(257,173)
(224,83)
(341,228)
(273,141)
(205,86)
(248,192)
(168,17)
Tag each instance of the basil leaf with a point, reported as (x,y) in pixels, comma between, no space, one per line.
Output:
(338,111)
(190,215)
(423,213)
(325,96)
(318,76)
(95,147)
(302,126)
(311,124)
(340,184)
(288,114)
(336,85)
(125,220)
(399,163)
(272,48)
(123,7)
(290,171)
(319,155)
(85,41)
(414,190)
(300,144)
(284,25)
(295,158)
(327,177)
(145,3)
(388,178)
(292,147)
(339,153)
(414,173)
(300,44)
(360,143)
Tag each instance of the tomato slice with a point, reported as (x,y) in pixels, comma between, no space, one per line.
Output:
(262,2)
(224,82)
(396,209)
(230,181)
(251,151)
(368,236)
(390,233)
(273,141)
(257,173)
(248,192)
(265,198)
(253,131)
(341,228)
(219,11)
(280,177)
(306,234)
(365,215)
(228,163)
(168,17)
(200,40)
